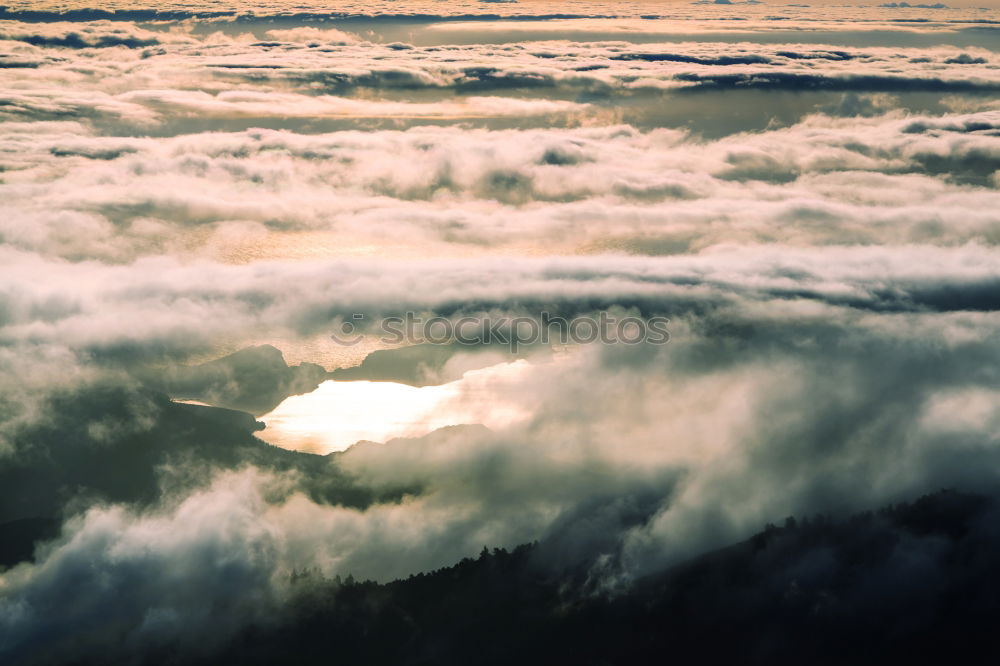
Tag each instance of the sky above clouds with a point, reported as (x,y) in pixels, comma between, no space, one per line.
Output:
(810,194)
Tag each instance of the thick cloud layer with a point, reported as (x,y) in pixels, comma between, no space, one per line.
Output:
(817,216)
(264,194)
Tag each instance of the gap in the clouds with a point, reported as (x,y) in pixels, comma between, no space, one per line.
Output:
(710,112)
(339,414)
(178,126)
(846,30)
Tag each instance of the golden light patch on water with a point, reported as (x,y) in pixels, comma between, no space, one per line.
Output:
(339,414)
(315,245)
(319,245)
(305,245)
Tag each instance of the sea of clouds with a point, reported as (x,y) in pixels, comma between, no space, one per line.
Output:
(816,208)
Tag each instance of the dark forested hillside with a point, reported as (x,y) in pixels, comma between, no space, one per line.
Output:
(913,583)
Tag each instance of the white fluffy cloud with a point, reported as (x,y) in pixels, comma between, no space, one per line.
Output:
(266,194)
